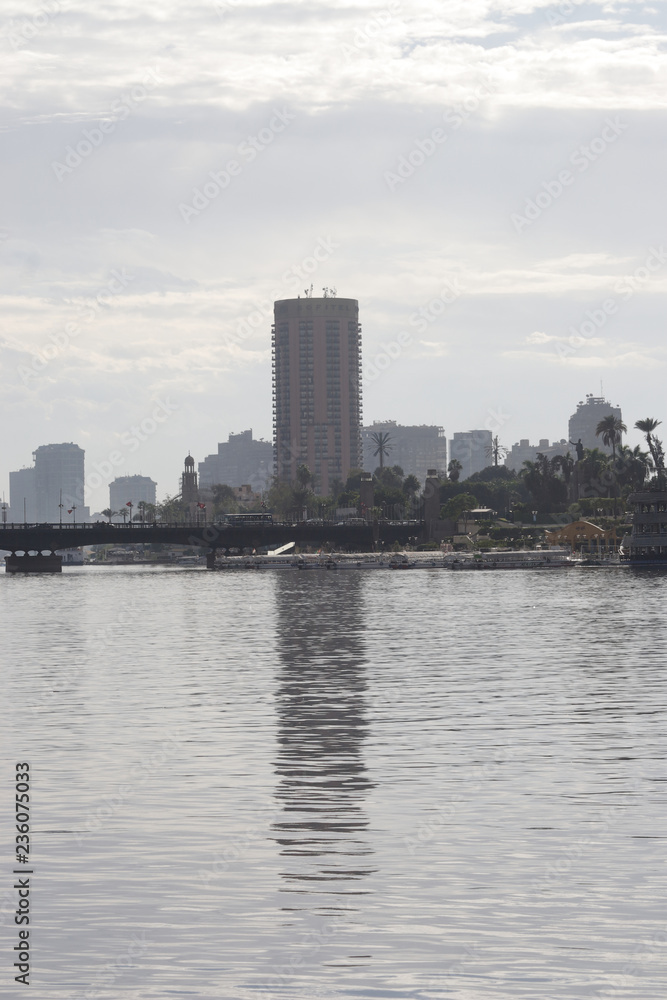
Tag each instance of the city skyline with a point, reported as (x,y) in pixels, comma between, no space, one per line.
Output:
(469,174)
(415,448)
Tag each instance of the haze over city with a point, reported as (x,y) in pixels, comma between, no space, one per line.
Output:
(486,179)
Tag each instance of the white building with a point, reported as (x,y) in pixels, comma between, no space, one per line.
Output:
(588,415)
(416,448)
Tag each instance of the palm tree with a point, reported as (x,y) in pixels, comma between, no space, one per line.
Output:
(610,429)
(633,466)
(454,470)
(109,513)
(410,486)
(542,480)
(496,450)
(381,439)
(647,427)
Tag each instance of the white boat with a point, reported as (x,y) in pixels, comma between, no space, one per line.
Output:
(509,559)
(328,562)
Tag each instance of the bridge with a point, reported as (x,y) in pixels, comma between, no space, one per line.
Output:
(46,540)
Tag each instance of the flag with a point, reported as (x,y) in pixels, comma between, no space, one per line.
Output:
(69,511)
(202,506)
(129,503)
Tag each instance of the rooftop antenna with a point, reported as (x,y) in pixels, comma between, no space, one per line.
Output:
(308,292)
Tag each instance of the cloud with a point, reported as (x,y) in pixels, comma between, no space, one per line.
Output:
(368,85)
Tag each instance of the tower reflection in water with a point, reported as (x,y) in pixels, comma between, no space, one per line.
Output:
(321,731)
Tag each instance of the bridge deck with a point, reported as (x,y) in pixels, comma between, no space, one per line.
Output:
(55,537)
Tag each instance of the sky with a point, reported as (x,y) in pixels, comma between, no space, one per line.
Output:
(487,179)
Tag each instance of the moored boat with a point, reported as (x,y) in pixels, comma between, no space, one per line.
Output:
(648,539)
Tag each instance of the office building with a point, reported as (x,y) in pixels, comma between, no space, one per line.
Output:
(131,489)
(473,450)
(240,461)
(588,415)
(59,478)
(524,451)
(317,388)
(415,448)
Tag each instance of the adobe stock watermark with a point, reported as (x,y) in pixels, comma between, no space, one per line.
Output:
(20,33)
(92,138)
(425,148)
(247,151)
(371,30)
(61,339)
(373,367)
(582,158)
(223,7)
(109,973)
(626,288)
(428,830)
(131,440)
(558,14)
(127,790)
(291,280)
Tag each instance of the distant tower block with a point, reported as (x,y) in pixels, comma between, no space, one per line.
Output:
(317,388)
(189,491)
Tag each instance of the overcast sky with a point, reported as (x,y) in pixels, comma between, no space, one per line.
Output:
(487,178)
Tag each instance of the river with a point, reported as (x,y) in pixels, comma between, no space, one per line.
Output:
(416,784)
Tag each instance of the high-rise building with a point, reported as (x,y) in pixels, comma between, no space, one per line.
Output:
(317,388)
(416,448)
(131,489)
(59,478)
(473,450)
(240,461)
(22,496)
(588,415)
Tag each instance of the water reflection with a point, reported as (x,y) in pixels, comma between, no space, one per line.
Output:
(322,727)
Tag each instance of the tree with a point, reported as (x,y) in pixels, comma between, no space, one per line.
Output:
(647,426)
(381,439)
(565,464)
(110,513)
(611,429)
(172,509)
(541,477)
(410,486)
(454,470)
(496,450)
(147,511)
(458,504)
(302,492)
(632,467)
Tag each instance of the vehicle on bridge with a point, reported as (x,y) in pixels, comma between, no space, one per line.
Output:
(261,517)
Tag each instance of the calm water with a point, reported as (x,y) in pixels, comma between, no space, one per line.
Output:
(401,785)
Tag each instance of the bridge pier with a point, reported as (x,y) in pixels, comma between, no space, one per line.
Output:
(210,559)
(38,563)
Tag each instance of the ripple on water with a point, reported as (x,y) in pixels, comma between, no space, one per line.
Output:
(422,784)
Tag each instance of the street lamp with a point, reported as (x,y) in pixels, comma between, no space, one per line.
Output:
(60,506)
(72,511)
(130,505)
(534,513)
